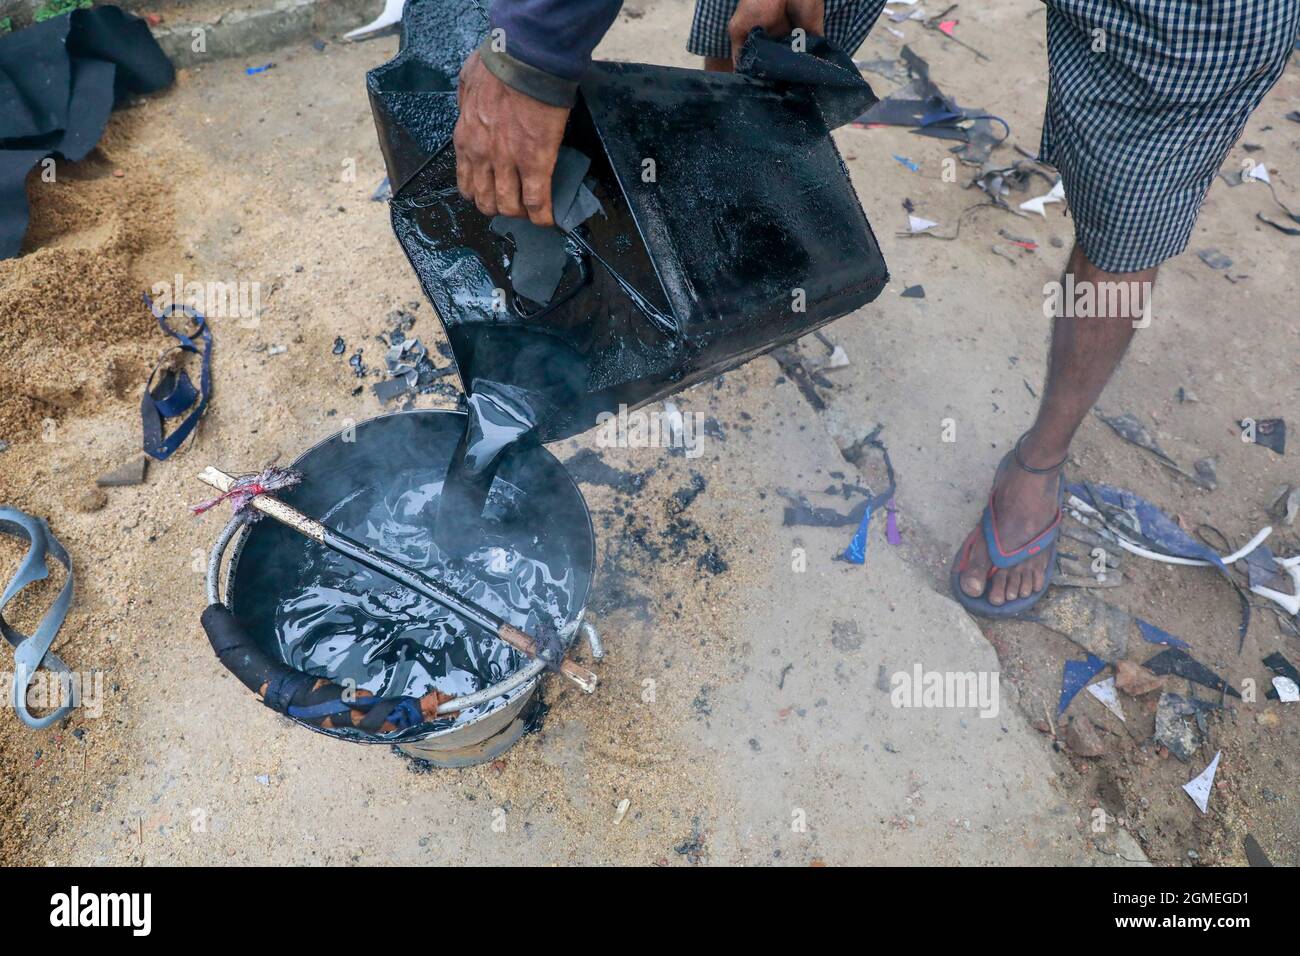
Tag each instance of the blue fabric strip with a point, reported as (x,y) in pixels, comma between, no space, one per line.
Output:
(175,394)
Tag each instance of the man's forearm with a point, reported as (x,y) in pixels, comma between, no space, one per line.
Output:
(547,44)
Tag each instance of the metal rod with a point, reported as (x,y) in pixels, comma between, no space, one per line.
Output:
(382,564)
(456,704)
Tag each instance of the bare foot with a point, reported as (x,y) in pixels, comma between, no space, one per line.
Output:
(1023,505)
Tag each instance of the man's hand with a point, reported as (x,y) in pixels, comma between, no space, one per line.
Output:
(778,17)
(506,144)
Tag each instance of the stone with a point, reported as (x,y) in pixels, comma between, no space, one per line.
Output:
(131,473)
(1286,504)
(1082,738)
(1135,680)
(1174,730)
(1099,628)
(1207,473)
(89,500)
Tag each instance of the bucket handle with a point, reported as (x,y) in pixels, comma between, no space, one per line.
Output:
(534,667)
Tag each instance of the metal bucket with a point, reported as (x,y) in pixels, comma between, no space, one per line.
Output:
(265,559)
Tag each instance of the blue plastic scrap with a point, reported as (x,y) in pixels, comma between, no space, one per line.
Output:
(856,552)
(1138,518)
(1262,569)
(1154,635)
(32,653)
(904,161)
(1075,677)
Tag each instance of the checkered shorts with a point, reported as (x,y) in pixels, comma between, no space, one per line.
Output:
(1145,99)
(847,25)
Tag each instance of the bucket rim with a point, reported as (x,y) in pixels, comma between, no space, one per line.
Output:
(512,697)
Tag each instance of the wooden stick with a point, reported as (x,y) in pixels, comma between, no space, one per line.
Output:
(423,584)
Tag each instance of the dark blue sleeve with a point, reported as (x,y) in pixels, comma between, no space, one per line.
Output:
(556,36)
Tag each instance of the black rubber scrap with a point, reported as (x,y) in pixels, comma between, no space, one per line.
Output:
(1181,664)
(540,251)
(59,80)
(1282,667)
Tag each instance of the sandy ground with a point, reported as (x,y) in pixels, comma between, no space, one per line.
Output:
(766,708)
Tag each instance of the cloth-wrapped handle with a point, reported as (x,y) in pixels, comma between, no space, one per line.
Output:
(293,692)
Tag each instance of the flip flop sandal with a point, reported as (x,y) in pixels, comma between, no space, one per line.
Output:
(1045,540)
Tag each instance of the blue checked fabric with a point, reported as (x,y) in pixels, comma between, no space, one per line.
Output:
(1145,99)
(1141,115)
(847,25)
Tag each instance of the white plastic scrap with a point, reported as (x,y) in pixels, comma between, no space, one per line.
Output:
(1104,691)
(1291,602)
(1286,688)
(1090,517)
(1258,172)
(1038,202)
(392,13)
(917,224)
(1199,788)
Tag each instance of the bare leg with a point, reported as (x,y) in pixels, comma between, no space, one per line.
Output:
(1084,354)
(718,64)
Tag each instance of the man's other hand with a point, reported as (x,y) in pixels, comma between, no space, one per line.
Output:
(506,144)
(777,17)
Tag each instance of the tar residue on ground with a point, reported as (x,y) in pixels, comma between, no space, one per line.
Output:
(631,539)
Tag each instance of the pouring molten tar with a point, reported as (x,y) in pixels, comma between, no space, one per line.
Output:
(755,239)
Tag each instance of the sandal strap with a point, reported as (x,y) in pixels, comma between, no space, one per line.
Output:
(1020,460)
(1009,559)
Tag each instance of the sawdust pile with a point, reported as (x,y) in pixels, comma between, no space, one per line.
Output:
(74,332)
(75,339)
